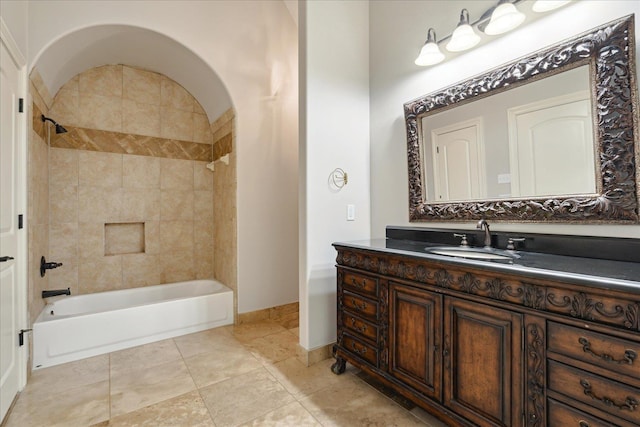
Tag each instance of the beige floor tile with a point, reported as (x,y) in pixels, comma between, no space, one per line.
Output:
(250,331)
(206,341)
(293,415)
(56,379)
(428,419)
(133,390)
(219,365)
(144,357)
(185,410)
(245,397)
(354,403)
(79,406)
(275,347)
(300,380)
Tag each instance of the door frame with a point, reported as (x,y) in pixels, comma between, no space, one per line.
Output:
(21,199)
(478,123)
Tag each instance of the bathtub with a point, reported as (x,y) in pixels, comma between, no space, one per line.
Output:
(76,327)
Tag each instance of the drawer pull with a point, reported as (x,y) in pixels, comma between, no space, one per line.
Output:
(361,329)
(627,359)
(583,423)
(629,404)
(362,351)
(359,285)
(361,307)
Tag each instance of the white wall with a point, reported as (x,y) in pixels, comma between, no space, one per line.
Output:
(395,79)
(334,81)
(241,41)
(14,15)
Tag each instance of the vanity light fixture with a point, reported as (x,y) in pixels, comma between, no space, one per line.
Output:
(547,5)
(464,36)
(505,17)
(430,53)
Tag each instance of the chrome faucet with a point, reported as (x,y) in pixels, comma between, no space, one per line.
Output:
(483,224)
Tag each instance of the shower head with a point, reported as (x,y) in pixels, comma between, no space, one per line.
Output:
(59,128)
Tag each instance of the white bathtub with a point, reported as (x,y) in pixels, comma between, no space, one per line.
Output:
(76,327)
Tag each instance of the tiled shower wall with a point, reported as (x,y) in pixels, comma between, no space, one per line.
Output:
(112,111)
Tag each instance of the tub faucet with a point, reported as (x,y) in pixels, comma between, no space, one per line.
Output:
(44,266)
(483,224)
(56,292)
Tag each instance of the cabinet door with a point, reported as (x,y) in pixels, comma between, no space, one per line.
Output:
(483,363)
(414,339)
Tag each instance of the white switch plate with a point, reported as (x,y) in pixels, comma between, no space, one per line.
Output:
(351,212)
(504,178)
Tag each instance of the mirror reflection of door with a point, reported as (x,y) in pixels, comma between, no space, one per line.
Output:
(458,161)
(551,147)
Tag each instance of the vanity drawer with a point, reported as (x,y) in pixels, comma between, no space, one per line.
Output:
(360,283)
(360,305)
(561,415)
(616,398)
(360,326)
(361,349)
(597,349)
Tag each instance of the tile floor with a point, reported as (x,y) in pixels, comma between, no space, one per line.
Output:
(245,375)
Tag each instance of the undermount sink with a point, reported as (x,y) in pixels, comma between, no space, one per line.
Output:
(472,253)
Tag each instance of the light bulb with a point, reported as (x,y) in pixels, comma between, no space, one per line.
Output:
(463,37)
(547,5)
(430,53)
(504,18)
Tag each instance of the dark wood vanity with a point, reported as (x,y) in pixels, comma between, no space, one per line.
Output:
(493,344)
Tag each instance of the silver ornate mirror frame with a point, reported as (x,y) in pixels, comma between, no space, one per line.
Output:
(609,51)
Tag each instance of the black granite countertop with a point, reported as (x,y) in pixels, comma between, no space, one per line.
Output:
(601,273)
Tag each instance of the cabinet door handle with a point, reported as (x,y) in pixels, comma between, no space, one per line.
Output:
(359,285)
(361,307)
(362,351)
(630,404)
(627,359)
(362,328)
(445,352)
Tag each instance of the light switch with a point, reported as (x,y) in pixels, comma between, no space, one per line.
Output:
(351,212)
(504,178)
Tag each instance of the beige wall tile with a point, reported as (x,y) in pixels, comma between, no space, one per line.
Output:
(100,112)
(201,129)
(73,84)
(141,86)
(63,204)
(100,169)
(105,80)
(124,238)
(140,172)
(152,237)
(176,124)
(43,92)
(140,205)
(63,240)
(63,166)
(177,267)
(66,107)
(90,241)
(176,174)
(203,236)
(98,204)
(102,275)
(203,206)
(203,265)
(176,205)
(202,177)
(176,236)
(140,118)
(175,96)
(140,270)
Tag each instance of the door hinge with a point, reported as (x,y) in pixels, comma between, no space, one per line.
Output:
(437,150)
(21,336)
(20,222)
(21,105)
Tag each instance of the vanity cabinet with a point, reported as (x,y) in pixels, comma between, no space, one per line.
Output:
(479,347)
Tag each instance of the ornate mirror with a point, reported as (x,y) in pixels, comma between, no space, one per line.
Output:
(550,137)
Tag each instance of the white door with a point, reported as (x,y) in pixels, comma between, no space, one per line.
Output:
(10,181)
(458,158)
(551,147)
